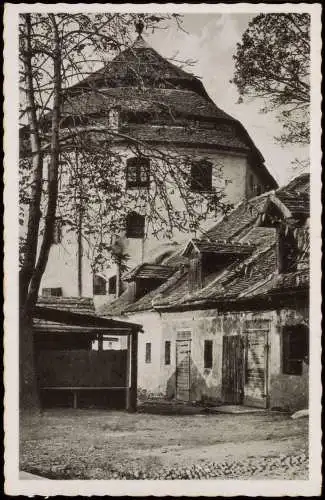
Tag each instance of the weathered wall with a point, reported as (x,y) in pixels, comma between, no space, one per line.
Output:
(150,375)
(62,270)
(287,391)
(205,383)
(284,391)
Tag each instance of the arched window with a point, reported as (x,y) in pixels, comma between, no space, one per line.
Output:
(137,172)
(135,225)
(201,176)
(99,285)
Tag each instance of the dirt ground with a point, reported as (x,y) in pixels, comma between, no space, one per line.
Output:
(94,444)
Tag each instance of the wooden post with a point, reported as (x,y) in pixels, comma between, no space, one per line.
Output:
(75,400)
(133,384)
(128,373)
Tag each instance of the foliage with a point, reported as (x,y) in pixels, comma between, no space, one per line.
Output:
(70,164)
(273,63)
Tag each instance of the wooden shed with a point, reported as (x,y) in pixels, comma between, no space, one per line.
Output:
(73,366)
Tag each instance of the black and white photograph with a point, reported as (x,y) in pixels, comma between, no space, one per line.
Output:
(162,263)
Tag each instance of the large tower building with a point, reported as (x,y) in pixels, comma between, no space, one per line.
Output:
(142,96)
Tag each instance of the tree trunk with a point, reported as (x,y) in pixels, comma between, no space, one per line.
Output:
(29,397)
(28,385)
(34,213)
(53,170)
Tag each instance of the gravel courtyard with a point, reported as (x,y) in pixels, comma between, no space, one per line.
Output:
(94,444)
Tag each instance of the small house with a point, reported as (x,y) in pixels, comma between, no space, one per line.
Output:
(231,323)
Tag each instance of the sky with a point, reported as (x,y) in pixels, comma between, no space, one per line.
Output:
(211,41)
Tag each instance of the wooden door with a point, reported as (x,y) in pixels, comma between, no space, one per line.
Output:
(232,369)
(256,364)
(183,369)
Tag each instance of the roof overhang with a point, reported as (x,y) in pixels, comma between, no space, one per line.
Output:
(82,322)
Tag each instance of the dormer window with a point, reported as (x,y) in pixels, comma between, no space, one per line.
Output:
(135,224)
(209,258)
(201,176)
(287,250)
(137,172)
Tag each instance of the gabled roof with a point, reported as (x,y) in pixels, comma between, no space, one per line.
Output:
(216,247)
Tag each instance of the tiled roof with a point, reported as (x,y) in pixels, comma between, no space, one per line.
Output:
(80,305)
(279,283)
(242,217)
(117,306)
(298,205)
(152,271)
(300,184)
(141,64)
(220,247)
(252,271)
(172,103)
(221,136)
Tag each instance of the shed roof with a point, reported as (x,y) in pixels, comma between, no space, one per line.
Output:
(76,314)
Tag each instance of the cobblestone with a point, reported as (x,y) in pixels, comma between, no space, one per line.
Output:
(280,467)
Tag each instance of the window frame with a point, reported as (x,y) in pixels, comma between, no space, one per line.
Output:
(167,352)
(103,283)
(111,284)
(52,291)
(208,354)
(293,364)
(139,164)
(148,353)
(135,234)
(195,185)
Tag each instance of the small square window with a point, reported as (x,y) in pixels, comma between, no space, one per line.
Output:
(295,349)
(167,352)
(148,352)
(137,172)
(201,176)
(52,292)
(135,225)
(208,353)
(99,285)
